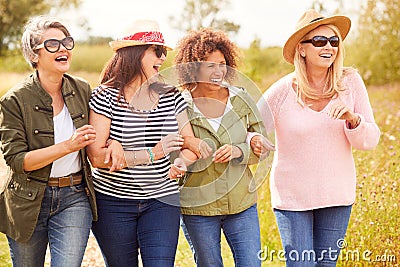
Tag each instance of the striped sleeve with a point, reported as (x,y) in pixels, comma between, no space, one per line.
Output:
(180,103)
(101,101)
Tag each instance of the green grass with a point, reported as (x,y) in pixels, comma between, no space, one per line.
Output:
(4,252)
(373,231)
(90,58)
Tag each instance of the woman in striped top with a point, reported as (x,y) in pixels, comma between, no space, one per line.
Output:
(140,121)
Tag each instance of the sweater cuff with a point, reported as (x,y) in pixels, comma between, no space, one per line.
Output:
(251,135)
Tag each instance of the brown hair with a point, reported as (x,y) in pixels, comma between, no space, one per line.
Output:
(196,46)
(123,67)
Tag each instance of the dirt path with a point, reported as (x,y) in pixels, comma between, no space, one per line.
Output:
(93,257)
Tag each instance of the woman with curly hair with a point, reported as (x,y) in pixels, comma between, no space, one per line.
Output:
(216,193)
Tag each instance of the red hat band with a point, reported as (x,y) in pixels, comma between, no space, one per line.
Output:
(146,37)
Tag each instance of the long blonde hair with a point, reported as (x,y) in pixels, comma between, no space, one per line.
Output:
(335,72)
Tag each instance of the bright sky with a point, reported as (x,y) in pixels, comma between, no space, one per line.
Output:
(272,21)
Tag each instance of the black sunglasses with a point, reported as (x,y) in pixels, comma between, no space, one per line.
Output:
(160,50)
(53,45)
(320,41)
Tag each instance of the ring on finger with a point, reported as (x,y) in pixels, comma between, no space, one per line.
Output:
(86,136)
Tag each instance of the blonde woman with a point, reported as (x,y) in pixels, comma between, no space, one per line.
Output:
(320,112)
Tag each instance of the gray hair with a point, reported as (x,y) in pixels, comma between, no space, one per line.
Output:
(32,36)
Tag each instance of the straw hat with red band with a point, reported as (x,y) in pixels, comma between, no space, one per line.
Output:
(310,20)
(143,32)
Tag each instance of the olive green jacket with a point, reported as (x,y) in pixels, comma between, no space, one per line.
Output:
(223,188)
(26,124)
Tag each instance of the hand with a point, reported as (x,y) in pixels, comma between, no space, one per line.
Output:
(197,146)
(261,145)
(226,153)
(167,144)
(340,111)
(177,169)
(82,137)
(115,153)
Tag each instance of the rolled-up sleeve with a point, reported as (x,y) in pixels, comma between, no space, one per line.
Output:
(13,134)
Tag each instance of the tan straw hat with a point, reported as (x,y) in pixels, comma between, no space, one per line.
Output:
(142,32)
(310,20)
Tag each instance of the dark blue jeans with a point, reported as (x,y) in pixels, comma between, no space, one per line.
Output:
(242,232)
(64,223)
(314,237)
(126,226)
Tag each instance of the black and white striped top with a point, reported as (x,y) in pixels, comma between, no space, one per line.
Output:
(137,130)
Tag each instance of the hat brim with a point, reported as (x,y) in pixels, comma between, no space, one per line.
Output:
(343,23)
(115,45)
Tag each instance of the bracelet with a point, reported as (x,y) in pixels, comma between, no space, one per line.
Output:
(356,124)
(358,121)
(151,155)
(134,158)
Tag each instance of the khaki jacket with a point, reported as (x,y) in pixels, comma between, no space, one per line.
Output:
(26,124)
(223,188)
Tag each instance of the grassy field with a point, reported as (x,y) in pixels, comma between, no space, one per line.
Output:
(373,236)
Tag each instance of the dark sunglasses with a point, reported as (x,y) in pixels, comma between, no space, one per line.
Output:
(320,41)
(160,50)
(53,45)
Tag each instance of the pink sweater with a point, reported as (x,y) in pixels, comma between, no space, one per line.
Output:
(313,164)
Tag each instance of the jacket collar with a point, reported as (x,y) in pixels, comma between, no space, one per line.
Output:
(66,89)
(239,109)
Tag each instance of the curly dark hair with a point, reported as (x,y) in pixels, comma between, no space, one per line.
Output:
(196,46)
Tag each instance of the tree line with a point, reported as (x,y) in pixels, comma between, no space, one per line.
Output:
(375,50)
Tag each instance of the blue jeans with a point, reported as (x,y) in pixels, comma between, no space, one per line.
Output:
(64,223)
(127,225)
(314,237)
(242,232)
(187,237)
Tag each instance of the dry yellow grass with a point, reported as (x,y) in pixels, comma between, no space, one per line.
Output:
(373,234)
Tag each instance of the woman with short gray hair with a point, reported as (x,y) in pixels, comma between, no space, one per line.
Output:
(48,198)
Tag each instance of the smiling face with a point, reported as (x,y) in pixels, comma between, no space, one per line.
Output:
(58,62)
(151,62)
(212,70)
(318,57)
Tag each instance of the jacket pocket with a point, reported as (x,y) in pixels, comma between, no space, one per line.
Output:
(24,192)
(22,202)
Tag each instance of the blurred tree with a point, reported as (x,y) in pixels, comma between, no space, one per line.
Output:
(377,45)
(15,13)
(199,14)
(322,6)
